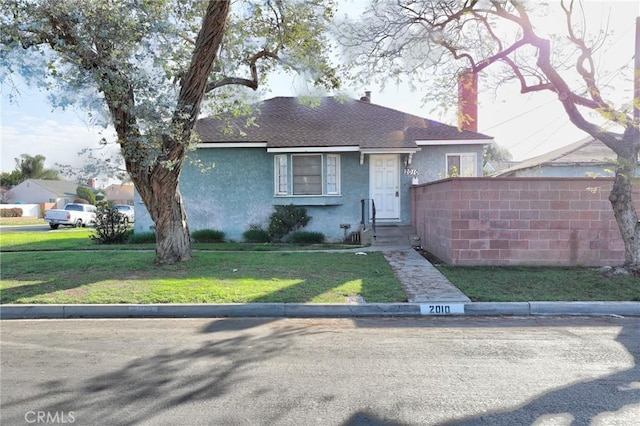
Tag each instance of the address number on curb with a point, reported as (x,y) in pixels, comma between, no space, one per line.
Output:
(442,309)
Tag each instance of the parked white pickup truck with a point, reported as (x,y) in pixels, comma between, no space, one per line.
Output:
(73,215)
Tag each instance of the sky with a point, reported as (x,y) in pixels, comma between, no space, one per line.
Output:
(527,125)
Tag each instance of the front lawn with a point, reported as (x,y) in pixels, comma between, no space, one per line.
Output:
(211,277)
(21,221)
(65,266)
(523,284)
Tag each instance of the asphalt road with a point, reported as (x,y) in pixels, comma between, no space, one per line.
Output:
(493,371)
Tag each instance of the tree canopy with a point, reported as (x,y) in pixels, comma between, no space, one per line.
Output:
(434,41)
(149,66)
(28,167)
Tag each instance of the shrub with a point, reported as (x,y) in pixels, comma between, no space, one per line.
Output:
(256,235)
(287,219)
(207,236)
(306,237)
(142,238)
(109,227)
(12,212)
(85,193)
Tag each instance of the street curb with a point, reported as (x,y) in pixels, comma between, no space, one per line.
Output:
(308,310)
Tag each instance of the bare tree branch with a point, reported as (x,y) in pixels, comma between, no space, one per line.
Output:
(250,83)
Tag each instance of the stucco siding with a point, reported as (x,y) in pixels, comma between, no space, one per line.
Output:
(28,192)
(430,162)
(239,192)
(232,195)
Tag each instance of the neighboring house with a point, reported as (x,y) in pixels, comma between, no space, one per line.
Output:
(119,194)
(586,158)
(38,191)
(332,158)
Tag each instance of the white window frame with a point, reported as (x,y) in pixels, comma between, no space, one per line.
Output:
(283,175)
(322,180)
(333,178)
(474,161)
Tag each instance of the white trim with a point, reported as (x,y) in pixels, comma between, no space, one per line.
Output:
(384,151)
(315,149)
(461,154)
(326,171)
(453,142)
(277,175)
(231,145)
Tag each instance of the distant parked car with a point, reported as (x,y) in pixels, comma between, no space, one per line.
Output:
(126,212)
(74,214)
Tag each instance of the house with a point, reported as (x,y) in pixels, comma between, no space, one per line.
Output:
(587,157)
(332,156)
(41,191)
(119,194)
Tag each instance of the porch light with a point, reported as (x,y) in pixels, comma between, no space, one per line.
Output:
(407,160)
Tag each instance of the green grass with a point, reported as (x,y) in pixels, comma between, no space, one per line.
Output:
(521,284)
(211,277)
(78,239)
(18,221)
(65,266)
(60,239)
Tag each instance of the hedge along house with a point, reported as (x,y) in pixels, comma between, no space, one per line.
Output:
(336,157)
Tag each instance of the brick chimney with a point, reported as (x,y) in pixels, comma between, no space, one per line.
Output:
(92,183)
(468,101)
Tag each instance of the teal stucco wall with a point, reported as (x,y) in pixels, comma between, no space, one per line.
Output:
(239,192)
(430,163)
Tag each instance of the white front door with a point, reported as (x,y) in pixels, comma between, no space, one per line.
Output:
(384,181)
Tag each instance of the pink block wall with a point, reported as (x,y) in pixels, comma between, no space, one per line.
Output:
(519,221)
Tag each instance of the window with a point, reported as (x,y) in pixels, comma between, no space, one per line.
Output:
(333,174)
(281,174)
(307,174)
(310,174)
(461,165)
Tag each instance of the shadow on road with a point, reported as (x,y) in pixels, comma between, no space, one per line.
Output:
(225,355)
(585,403)
(146,387)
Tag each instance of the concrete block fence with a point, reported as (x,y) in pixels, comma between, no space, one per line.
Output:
(519,221)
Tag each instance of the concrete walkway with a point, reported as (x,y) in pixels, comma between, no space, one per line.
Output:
(421,281)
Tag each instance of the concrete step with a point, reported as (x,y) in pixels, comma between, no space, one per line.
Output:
(396,235)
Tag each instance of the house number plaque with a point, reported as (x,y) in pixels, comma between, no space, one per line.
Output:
(442,309)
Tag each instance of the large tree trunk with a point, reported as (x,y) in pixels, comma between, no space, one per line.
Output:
(621,198)
(164,201)
(172,232)
(157,184)
(159,191)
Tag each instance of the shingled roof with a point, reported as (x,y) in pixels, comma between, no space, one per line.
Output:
(587,151)
(285,122)
(61,188)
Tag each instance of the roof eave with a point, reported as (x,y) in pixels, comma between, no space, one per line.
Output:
(441,142)
(203,145)
(347,148)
